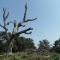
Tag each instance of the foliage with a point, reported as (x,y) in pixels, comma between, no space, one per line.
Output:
(24,56)
(44,46)
(14,56)
(54,56)
(34,56)
(56,46)
(2,47)
(22,43)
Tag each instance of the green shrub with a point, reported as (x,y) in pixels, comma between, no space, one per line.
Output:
(54,56)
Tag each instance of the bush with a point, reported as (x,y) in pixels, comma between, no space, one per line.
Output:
(54,56)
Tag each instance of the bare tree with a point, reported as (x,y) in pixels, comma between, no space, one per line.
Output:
(10,38)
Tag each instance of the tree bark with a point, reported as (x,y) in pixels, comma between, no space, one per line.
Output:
(9,48)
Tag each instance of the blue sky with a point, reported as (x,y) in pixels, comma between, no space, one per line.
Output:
(47,26)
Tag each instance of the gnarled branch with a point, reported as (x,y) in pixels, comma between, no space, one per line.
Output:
(4,27)
(30,20)
(9,22)
(5,16)
(28,32)
(24,18)
(24,31)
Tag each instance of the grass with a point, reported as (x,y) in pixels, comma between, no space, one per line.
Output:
(29,56)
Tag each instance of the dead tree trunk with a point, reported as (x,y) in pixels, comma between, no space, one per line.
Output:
(10,39)
(9,48)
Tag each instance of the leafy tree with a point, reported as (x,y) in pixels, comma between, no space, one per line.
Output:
(11,37)
(44,45)
(3,43)
(1,47)
(56,46)
(22,44)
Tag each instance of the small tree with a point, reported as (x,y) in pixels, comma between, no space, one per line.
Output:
(10,37)
(56,46)
(44,45)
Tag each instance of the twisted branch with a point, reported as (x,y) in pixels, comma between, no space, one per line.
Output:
(5,16)
(24,31)
(4,27)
